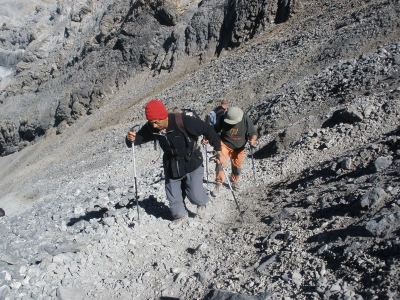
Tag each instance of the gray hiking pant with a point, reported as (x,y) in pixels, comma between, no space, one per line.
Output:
(190,186)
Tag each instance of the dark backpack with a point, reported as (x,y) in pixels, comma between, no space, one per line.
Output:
(178,120)
(179,123)
(191,113)
(214,115)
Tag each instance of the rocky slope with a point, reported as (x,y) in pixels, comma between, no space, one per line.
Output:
(321,217)
(69,57)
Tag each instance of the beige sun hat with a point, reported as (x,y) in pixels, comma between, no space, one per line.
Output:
(233,115)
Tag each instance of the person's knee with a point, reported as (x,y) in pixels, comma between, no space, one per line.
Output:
(236,170)
(218,168)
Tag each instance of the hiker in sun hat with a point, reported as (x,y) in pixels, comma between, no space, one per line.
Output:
(236,130)
(177,135)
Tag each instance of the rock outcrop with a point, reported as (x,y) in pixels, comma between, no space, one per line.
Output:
(78,53)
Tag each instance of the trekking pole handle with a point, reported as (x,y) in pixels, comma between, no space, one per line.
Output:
(134,126)
(133,130)
(213,158)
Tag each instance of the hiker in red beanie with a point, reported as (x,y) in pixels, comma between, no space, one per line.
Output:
(177,135)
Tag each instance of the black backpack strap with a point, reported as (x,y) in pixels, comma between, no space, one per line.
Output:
(179,123)
(219,111)
(181,126)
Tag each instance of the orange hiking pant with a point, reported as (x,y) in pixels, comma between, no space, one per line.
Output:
(236,156)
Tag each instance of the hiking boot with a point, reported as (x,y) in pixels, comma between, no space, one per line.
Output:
(235,186)
(217,189)
(178,222)
(201,210)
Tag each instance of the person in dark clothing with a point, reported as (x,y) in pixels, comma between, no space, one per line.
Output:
(182,159)
(214,115)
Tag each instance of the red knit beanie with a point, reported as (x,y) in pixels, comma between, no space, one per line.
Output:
(155,110)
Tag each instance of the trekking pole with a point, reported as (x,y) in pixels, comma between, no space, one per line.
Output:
(135,179)
(233,193)
(134,175)
(206,162)
(252,161)
(213,158)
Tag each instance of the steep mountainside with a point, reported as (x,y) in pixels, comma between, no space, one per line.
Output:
(320,198)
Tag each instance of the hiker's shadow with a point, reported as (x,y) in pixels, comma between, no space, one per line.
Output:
(152,207)
(266,151)
(158,209)
(96,213)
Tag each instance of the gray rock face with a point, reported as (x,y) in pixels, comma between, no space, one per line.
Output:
(384,225)
(225,295)
(373,198)
(85,50)
(69,293)
(382,163)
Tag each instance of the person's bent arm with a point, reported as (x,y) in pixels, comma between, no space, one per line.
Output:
(199,127)
(143,135)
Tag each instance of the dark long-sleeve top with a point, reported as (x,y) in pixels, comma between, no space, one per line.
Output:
(236,136)
(173,140)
